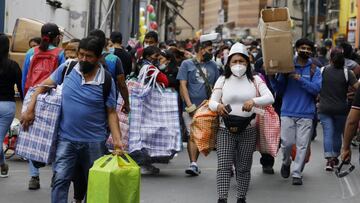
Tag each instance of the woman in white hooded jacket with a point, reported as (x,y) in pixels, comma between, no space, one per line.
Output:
(236,139)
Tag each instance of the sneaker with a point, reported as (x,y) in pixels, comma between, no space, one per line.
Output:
(268,170)
(330,165)
(222,201)
(241,200)
(297,181)
(193,170)
(285,171)
(34,183)
(336,161)
(149,170)
(4,171)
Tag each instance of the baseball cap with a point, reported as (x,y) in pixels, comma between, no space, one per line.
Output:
(50,29)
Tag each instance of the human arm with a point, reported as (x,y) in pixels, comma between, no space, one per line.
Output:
(25,68)
(114,128)
(18,78)
(124,93)
(314,85)
(215,99)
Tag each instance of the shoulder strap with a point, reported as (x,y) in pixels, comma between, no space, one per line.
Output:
(106,87)
(312,70)
(346,73)
(207,84)
(67,70)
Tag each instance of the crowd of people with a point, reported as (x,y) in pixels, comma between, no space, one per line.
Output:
(94,72)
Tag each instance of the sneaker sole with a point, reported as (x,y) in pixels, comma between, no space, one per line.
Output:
(192,173)
(34,188)
(4,176)
(329,169)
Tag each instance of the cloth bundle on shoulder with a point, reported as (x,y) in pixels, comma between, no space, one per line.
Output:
(39,142)
(204,127)
(154,119)
(114,179)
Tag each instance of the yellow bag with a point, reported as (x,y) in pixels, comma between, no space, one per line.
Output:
(112,179)
(204,127)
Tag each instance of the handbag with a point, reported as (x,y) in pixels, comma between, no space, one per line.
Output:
(237,124)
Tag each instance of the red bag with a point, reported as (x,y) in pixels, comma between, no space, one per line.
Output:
(42,65)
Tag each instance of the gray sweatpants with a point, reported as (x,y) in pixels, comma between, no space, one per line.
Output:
(295,131)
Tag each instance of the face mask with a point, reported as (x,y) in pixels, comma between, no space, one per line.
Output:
(304,54)
(207,57)
(162,67)
(254,54)
(111,49)
(238,70)
(218,61)
(146,45)
(86,67)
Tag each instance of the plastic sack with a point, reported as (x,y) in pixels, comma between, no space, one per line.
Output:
(204,127)
(114,179)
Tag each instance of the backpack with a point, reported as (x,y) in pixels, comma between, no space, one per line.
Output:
(42,65)
(106,87)
(346,72)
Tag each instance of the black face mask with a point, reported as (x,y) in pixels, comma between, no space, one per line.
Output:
(156,63)
(207,57)
(86,67)
(304,54)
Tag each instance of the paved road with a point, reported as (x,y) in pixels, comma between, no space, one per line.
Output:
(173,186)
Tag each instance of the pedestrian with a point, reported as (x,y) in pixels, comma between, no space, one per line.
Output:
(113,64)
(71,49)
(85,116)
(349,63)
(10,75)
(242,91)
(33,42)
(351,126)
(299,90)
(333,105)
(120,51)
(197,77)
(169,68)
(34,73)
(320,60)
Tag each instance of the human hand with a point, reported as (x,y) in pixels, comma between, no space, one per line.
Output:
(248,105)
(221,110)
(27,119)
(125,108)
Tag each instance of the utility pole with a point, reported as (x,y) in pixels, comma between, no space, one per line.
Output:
(316,20)
(305,18)
(2,15)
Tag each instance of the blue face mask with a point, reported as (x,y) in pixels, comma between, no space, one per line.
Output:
(111,49)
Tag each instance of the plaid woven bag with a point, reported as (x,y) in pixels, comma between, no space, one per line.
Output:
(154,122)
(204,127)
(268,126)
(39,142)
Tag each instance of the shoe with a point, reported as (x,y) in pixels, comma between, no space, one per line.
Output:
(149,170)
(241,200)
(285,171)
(297,181)
(222,200)
(193,170)
(268,170)
(330,165)
(34,183)
(336,161)
(4,171)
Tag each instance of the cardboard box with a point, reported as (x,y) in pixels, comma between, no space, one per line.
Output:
(276,40)
(24,30)
(19,57)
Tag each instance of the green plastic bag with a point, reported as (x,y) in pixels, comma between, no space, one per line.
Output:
(114,179)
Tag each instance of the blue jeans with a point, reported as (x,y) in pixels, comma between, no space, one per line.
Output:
(32,170)
(69,156)
(7,114)
(333,128)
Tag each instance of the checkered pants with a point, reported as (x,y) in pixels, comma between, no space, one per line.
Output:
(238,147)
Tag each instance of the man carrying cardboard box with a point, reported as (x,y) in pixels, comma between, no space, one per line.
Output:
(299,90)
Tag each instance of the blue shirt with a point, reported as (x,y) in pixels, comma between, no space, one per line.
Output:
(299,96)
(29,55)
(195,83)
(83,117)
(114,65)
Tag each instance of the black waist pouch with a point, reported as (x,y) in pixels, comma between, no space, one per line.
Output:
(237,124)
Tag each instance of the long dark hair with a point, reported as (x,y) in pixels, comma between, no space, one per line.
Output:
(248,73)
(337,58)
(4,52)
(46,41)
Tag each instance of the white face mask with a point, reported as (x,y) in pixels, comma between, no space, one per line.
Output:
(162,67)
(146,45)
(238,70)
